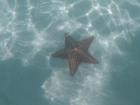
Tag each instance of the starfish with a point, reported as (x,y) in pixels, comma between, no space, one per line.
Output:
(76,52)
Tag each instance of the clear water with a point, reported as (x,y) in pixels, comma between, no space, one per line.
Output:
(31,30)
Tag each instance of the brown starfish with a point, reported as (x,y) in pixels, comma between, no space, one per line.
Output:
(76,52)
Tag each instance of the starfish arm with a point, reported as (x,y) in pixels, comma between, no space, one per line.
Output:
(86,57)
(73,62)
(62,53)
(69,41)
(85,43)
(91,60)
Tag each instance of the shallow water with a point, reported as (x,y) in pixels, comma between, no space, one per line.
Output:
(31,30)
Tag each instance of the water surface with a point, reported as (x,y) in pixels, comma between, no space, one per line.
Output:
(31,30)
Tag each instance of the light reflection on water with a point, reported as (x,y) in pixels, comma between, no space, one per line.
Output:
(29,28)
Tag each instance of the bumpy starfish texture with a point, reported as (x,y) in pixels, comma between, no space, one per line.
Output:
(76,52)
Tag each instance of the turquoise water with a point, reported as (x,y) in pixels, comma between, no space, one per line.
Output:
(31,30)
